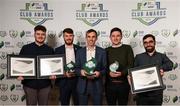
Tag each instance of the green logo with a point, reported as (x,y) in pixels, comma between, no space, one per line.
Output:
(148,12)
(92,13)
(36,13)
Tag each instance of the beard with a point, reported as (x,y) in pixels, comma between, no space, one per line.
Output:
(69,42)
(150,50)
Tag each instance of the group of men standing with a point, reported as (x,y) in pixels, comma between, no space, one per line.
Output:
(82,86)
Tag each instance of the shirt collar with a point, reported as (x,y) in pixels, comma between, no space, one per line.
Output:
(91,49)
(69,46)
(116,46)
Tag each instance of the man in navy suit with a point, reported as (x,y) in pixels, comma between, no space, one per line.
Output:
(67,84)
(90,85)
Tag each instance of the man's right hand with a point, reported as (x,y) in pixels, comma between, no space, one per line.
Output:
(115,74)
(20,78)
(83,73)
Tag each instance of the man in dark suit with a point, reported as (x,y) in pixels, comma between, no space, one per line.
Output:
(67,84)
(90,85)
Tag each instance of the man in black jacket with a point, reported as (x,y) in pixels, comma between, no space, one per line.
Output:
(67,84)
(151,56)
(37,90)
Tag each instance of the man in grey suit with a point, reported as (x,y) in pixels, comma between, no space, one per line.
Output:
(90,85)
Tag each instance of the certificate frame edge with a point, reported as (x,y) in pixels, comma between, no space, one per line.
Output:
(161,86)
(9,56)
(45,56)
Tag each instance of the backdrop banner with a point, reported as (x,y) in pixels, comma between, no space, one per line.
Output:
(135,17)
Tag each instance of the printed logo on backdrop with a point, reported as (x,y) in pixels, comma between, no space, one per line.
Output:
(173,44)
(23,98)
(14,98)
(133,44)
(3,97)
(3,87)
(91,13)
(176,32)
(155,33)
(165,32)
(175,65)
(36,13)
(172,77)
(3,55)
(13,33)
(52,34)
(20,44)
(3,65)
(2,76)
(126,33)
(171,88)
(3,33)
(166,98)
(148,12)
(175,99)
(60,34)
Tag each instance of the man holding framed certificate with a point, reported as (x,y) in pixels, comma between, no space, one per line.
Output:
(90,67)
(37,90)
(151,57)
(67,84)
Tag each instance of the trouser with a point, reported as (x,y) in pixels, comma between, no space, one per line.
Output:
(67,91)
(149,100)
(96,97)
(117,93)
(37,96)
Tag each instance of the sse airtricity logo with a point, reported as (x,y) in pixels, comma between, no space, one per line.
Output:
(148,12)
(92,13)
(36,13)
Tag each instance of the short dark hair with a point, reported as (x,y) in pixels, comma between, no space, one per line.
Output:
(68,30)
(40,27)
(149,35)
(91,30)
(115,29)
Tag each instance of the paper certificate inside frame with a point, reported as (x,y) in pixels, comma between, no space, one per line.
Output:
(145,79)
(50,65)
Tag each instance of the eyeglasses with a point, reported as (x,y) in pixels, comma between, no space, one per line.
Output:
(150,42)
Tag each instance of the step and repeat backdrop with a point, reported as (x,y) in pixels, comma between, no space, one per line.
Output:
(135,17)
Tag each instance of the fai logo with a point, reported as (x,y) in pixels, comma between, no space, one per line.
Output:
(126,33)
(3,33)
(3,87)
(4,97)
(172,77)
(166,98)
(52,34)
(148,12)
(92,13)
(14,98)
(13,33)
(173,44)
(3,55)
(36,13)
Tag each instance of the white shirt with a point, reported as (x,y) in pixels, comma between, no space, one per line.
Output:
(70,55)
(90,53)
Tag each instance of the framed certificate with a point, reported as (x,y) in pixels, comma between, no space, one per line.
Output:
(145,78)
(48,65)
(18,65)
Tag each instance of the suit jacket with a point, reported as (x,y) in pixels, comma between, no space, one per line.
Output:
(61,50)
(100,56)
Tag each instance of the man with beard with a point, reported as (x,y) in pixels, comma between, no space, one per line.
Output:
(151,56)
(37,90)
(67,84)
